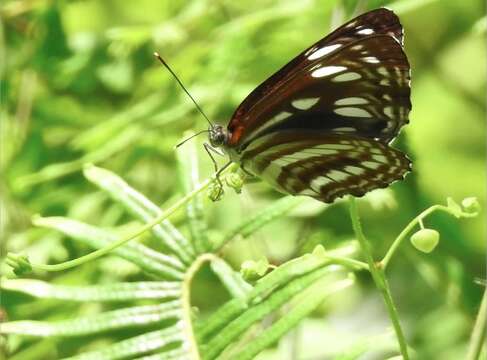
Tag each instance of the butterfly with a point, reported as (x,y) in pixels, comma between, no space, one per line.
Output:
(322,124)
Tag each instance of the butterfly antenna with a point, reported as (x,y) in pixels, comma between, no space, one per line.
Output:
(192,136)
(156,54)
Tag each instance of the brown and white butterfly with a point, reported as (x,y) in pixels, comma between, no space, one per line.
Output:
(321,125)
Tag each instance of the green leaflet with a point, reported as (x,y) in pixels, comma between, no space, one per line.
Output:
(142,208)
(110,292)
(117,319)
(136,346)
(151,261)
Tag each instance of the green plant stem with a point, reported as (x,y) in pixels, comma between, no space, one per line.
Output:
(186,302)
(479,331)
(351,264)
(105,250)
(379,278)
(417,220)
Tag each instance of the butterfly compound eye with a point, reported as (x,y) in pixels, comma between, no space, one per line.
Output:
(218,136)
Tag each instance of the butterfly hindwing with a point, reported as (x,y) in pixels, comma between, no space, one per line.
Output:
(324,167)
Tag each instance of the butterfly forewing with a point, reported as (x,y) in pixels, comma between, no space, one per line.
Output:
(375,22)
(363,89)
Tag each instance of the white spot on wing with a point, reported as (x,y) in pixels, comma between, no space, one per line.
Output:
(351,25)
(307,192)
(338,176)
(345,129)
(292,183)
(365,32)
(271,122)
(322,151)
(388,111)
(371,59)
(323,51)
(379,158)
(327,71)
(351,101)
(398,72)
(281,116)
(319,182)
(371,165)
(355,170)
(296,156)
(363,183)
(383,71)
(305,104)
(349,76)
(335,146)
(352,111)
(402,112)
(310,50)
(390,125)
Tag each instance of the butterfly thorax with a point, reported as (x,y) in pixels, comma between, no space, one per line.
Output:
(221,138)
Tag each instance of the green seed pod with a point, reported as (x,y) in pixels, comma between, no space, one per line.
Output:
(235,181)
(425,240)
(471,205)
(253,270)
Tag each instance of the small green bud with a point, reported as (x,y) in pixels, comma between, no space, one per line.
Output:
(253,270)
(20,264)
(215,191)
(471,205)
(319,251)
(235,181)
(454,207)
(425,240)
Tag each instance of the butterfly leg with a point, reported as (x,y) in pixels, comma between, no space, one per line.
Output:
(223,168)
(246,171)
(209,149)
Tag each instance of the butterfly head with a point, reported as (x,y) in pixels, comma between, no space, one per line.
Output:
(218,135)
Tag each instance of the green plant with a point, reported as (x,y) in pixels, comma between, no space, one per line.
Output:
(78,85)
(281,298)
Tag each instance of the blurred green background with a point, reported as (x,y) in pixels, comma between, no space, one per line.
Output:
(79,85)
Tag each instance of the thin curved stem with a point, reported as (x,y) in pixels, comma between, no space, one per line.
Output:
(479,331)
(379,278)
(186,302)
(348,263)
(417,220)
(105,250)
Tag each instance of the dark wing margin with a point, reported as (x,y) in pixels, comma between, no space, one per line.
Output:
(325,167)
